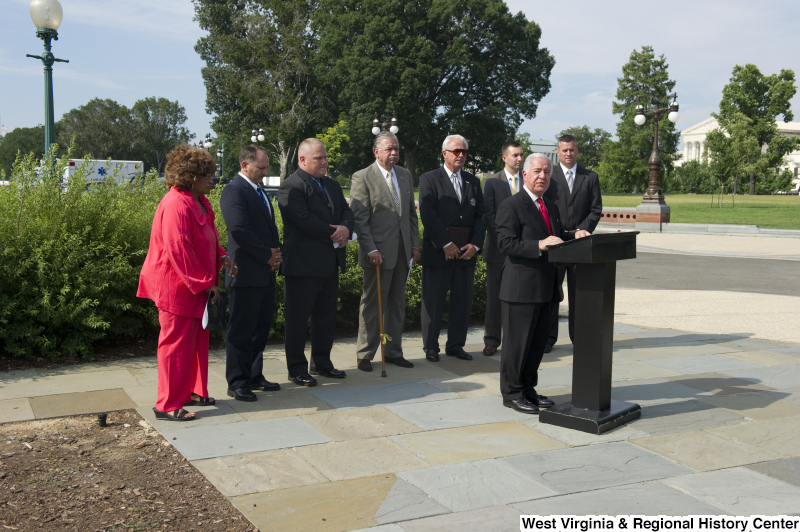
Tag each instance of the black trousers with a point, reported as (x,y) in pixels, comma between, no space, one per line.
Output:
(525,327)
(315,298)
(246,335)
(492,329)
(552,336)
(458,279)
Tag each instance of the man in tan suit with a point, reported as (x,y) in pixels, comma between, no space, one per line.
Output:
(382,201)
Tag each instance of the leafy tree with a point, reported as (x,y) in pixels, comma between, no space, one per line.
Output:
(259,71)
(468,67)
(751,103)
(102,129)
(590,144)
(735,153)
(525,142)
(158,127)
(334,139)
(694,177)
(24,140)
(624,164)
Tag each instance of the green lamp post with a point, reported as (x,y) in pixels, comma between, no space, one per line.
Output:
(46,16)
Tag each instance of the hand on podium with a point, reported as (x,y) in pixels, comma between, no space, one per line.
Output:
(549,241)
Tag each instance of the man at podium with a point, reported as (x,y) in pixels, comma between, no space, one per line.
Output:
(527,224)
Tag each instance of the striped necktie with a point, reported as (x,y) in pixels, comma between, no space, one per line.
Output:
(393,192)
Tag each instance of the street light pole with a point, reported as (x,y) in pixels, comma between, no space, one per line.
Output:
(257,135)
(46,16)
(221,155)
(383,124)
(653,211)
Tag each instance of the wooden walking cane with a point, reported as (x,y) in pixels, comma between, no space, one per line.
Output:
(383,337)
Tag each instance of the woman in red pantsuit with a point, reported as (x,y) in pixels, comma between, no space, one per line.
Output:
(179,272)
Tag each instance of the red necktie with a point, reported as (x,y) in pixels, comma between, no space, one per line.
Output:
(545,215)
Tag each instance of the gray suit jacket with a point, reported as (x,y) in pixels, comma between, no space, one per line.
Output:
(495,190)
(377,222)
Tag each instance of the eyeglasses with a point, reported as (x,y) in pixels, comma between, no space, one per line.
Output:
(459,152)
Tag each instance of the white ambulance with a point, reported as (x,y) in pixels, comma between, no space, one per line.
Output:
(123,172)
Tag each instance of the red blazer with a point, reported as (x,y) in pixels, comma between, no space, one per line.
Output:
(184,255)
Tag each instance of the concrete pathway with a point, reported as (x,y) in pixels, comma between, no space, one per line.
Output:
(432,448)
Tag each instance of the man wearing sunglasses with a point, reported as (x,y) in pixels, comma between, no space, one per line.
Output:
(451,208)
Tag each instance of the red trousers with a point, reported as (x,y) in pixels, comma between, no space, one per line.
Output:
(182,360)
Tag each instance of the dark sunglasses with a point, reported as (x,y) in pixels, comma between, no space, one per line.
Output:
(459,152)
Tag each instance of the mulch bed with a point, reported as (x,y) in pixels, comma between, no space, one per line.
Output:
(71,474)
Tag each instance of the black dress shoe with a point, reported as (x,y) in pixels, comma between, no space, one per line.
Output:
(265,385)
(433,356)
(304,379)
(548,348)
(364,364)
(332,373)
(539,400)
(460,354)
(521,405)
(400,361)
(242,394)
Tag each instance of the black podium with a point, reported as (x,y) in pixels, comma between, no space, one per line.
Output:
(592,409)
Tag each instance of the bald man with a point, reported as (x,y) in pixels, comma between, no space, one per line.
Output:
(317,223)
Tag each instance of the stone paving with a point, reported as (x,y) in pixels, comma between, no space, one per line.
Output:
(432,447)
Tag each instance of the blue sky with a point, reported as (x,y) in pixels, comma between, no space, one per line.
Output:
(127,51)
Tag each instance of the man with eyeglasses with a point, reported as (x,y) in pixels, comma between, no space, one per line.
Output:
(451,207)
(382,201)
(496,188)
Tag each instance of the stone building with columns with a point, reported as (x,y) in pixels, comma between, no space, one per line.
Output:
(694,144)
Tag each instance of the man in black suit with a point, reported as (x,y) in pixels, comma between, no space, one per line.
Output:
(496,188)
(317,224)
(576,192)
(526,226)
(253,243)
(451,208)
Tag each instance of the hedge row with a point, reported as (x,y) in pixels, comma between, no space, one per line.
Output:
(71,259)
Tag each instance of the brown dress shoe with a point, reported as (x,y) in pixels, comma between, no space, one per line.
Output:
(489,350)
(400,361)
(364,364)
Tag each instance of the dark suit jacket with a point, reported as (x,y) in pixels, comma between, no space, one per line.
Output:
(582,208)
(527,276)
(307,219)
(495,190)
(439,209)
(251,234)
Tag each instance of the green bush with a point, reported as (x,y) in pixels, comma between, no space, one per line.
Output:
(71,259)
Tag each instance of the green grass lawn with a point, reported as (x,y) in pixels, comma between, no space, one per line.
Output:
(775,212)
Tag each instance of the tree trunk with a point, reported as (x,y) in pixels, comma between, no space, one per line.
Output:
(637,189)
(752,183)
(286,155)
(411,161)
